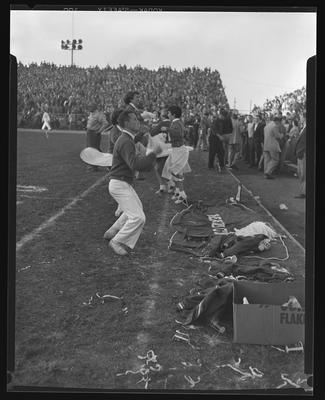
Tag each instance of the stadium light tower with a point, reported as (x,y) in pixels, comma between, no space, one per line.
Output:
(71,45)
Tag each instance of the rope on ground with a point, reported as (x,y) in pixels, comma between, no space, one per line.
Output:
(268,212)
(274,258)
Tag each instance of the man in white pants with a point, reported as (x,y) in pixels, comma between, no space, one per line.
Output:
(46,123)
(125,232)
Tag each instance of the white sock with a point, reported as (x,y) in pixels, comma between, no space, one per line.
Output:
(177,191)
(182,194)
(162,187)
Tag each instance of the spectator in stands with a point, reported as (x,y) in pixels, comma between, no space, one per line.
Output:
(79,87)
(271,147)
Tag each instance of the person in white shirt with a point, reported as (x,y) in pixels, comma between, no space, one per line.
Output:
(46,123)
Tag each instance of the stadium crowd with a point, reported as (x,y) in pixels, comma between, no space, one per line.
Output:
(65,96)
(292,104)
(185,109)
(67,93)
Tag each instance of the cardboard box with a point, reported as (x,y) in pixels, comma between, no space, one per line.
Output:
(264,320)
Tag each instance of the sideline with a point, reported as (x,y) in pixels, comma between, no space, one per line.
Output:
(30,236)
(56,131)
(268,212)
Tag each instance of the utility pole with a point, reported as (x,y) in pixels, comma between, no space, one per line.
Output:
(250,106)
(235,103)
(71,45)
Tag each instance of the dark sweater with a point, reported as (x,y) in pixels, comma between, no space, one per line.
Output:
(258,133)
(300,148)
(126,162)
(176,133)
(225,126)
(155,130)
(114,134)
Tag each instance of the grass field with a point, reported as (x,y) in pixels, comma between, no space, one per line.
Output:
(61,342)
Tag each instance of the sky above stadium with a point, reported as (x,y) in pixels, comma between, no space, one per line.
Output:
(259,55)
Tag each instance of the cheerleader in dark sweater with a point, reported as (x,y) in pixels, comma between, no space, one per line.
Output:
(177,164)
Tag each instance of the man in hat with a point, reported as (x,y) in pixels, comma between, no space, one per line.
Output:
(272,150)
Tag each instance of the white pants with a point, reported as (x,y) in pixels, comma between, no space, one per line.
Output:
(130,224)
(47,125)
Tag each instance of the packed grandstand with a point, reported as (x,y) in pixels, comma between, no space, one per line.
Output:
(68,92)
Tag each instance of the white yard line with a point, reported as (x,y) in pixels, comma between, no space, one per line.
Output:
(45,197)
(55,131)
(30,236)
(30,189)
(269,213)
(149,310)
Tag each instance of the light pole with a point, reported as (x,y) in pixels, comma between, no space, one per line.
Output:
(71,45)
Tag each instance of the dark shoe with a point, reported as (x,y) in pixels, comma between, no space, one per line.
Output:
(267,176)
(234,167)
(117,248)
(300,196)
(109,234)
(92,168)
(140,178)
